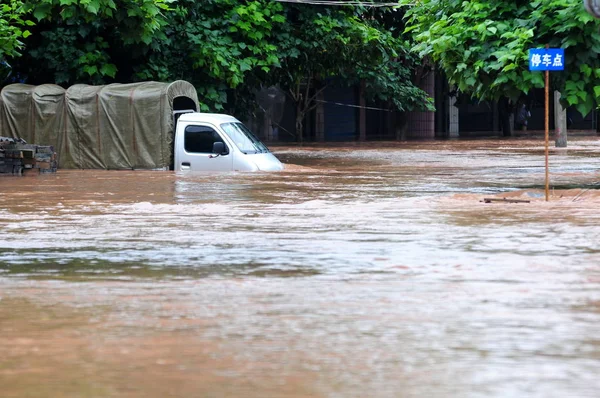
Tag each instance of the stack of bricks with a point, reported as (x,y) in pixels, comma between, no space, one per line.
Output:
(20,158)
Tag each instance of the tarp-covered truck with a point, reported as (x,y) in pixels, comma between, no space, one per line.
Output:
(127,126)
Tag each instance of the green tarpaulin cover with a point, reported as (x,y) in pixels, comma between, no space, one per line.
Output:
(116,126)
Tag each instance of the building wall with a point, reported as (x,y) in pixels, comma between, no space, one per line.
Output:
(341,122)
(337,119)
(476,116)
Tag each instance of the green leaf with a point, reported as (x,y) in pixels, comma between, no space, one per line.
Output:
(245,66)
(93,6)
(41,11)
(572,99)
(585,107)
(90,70)
(108,70)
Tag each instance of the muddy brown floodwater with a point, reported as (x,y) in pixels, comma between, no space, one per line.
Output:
(360,271)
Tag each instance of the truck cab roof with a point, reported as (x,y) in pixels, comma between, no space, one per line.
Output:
(214,118)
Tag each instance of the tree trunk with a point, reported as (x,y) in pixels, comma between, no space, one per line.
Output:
(299,119)
(560,122)
(401,126)
(506,113)
(320,118)
(267,128)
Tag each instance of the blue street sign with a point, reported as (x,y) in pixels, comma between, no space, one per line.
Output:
(546,59)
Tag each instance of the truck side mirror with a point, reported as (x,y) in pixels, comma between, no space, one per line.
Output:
(218,148)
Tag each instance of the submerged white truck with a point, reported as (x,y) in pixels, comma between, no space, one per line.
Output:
(148,125)
(217,142)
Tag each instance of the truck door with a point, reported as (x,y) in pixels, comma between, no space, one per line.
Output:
(197,149)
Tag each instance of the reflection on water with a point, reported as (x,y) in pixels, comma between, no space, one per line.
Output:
(368,270)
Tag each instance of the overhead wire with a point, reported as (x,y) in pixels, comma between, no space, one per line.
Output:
(355,106)
(340,3)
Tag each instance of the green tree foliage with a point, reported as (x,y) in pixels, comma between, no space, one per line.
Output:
(227,48)
(12,28)
(230,48)
(320,46)
(81,40)
(482,45)
(221,46)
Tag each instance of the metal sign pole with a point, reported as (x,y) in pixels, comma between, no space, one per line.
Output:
(546,59)
(547,125)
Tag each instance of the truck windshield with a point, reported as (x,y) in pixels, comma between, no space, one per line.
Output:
(243,138)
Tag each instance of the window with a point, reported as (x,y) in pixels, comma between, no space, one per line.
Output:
(243,138)
(200,139)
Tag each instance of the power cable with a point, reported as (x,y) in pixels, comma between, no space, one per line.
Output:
(339,3)
(355,106)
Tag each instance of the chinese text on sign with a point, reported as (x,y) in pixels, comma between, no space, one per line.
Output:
(546,59)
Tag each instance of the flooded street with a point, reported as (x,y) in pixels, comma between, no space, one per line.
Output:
(368,270)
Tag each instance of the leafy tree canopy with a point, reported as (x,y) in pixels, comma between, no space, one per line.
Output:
(320,46)
(12,28)
(136,20)
(349,44)
(78,40)
(226,48)
(482,45)
(220,46)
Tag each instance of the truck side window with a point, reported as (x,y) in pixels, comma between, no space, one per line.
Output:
(200,139)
